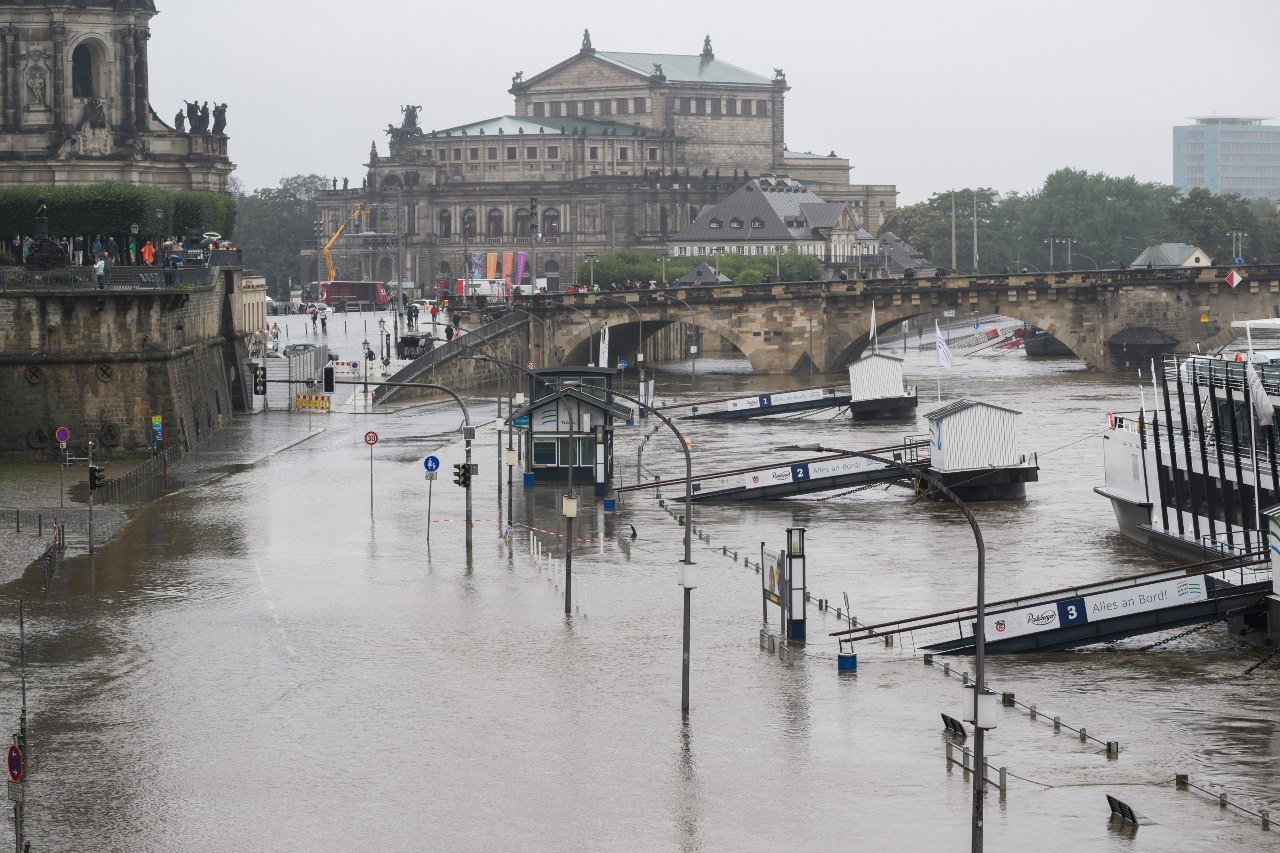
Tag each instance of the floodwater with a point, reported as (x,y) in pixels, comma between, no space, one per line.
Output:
(262,663)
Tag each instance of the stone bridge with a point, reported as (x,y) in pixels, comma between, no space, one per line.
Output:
(1111,319)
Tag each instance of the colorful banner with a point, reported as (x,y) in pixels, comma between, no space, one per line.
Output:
(477,265)
(508,267)
(521,258)
(491,265)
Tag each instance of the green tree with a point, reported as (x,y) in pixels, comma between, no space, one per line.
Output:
(1206,220)
(273,225)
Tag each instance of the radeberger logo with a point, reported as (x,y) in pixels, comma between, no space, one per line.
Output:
(1046,618)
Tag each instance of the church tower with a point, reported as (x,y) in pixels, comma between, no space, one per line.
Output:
(75,102)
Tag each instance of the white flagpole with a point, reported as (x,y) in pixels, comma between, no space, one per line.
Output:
(1142,441)
(1253,446)
(875,341)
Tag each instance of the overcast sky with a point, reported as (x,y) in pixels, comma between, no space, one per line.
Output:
(926,94)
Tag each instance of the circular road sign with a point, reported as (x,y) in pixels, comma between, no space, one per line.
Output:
(622,363)
(355,365)
(977,325)
(530,365)
(431,463)
(62,434)
(371,438)
(15,764)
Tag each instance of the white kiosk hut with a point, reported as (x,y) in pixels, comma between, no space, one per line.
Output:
(876,389)
(569,426)
(974,450)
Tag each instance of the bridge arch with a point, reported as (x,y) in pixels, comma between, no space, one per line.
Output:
(573,341)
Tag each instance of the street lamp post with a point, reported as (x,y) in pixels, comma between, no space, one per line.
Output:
(694,353)
(640,339)
(685,578)
(367,355)
(981,709)
(666,253)
(1237,236)
(591,260)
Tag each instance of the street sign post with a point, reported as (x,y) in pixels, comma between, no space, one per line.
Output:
(431,463)
(622,364)
(62,434)
(15,763)
(371,438)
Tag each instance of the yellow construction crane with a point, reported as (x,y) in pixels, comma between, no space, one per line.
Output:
(328,259)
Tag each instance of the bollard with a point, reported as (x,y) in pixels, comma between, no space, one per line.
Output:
(1180,781)
(928,658)
(1004,781)
(1057,724)
(946,668)
(735,556)
(964,754)
(1033,712)
(1266,818)
(888,640)
(773,644)
(1083,735)
(1113,749)
(40,524)
(838,616)
(964,678)
(1007,700)
(764,639)
(1222,800)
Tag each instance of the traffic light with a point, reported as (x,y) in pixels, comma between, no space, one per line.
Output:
(97,477)
(462,475)
(329,381)
(260,381)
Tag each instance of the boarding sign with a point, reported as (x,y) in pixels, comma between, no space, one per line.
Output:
(803,472)
(1111,604)
(772,570)
(765,401)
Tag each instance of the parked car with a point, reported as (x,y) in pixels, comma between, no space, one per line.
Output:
(294,349)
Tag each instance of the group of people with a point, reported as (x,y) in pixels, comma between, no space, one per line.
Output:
(626,285)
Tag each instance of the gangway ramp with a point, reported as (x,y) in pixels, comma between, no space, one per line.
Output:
(769,404)
(1111,610)
(776,480)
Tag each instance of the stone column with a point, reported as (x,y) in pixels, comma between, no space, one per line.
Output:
(9,69)
(59,32)
(142,79)
(779,121)
(127,92)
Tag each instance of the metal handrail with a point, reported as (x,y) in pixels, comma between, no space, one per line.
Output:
(447,350)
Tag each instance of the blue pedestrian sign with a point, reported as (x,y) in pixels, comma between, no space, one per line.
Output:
(622,364)
(431,463)
(977,325)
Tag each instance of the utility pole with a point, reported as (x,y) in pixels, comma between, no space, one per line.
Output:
(19,834)
(570,507)
(91,475)
(975,232)
(468,435)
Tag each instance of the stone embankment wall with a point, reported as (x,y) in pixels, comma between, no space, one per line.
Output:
(103,362)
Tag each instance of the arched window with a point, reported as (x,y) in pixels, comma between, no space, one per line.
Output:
(391,182)
(445,228)
(495,223)
(551,222)
(522,224)
(444,269)
(84,77)
(551,268)
(468,224)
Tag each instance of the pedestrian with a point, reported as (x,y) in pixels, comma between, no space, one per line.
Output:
(324,323)
(148,254)
(457,322)
(96,248)
(448,333)
(275,331)
(113,251)
(314,318)
(133,252)
(100,270)
(435,313)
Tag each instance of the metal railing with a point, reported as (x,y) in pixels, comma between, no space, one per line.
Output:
(145,482)
(447,350)
(20,280)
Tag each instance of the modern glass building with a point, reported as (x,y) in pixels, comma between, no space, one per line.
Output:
(1228,154)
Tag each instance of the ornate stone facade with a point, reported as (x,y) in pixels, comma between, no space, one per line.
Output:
(75,102)
(621,150)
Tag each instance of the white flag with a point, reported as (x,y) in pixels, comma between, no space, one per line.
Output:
(604,346)
(944,351)
(875,344)
(1262,408)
